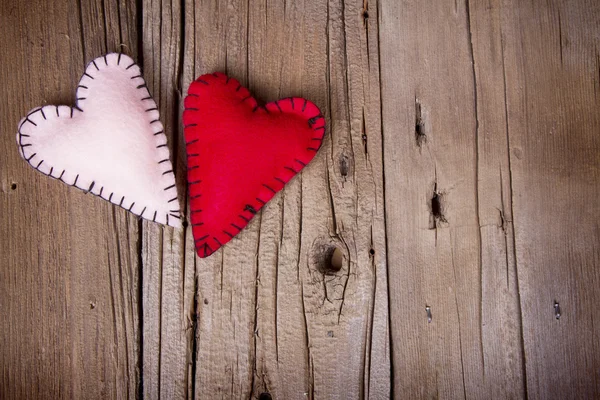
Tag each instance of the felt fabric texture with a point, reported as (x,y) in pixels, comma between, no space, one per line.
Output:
(240,154)
(111,144)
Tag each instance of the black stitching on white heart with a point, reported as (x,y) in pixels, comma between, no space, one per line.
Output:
(142,213)
(169,187)
(131,206)
(29,158)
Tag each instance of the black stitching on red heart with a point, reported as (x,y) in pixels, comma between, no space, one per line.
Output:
(191,142)
(311,121)
(202,81)
(200,239)
(270,188)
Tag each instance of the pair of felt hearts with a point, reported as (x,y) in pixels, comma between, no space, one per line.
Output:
(113,145)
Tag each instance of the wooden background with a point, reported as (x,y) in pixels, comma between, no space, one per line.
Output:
(459,178)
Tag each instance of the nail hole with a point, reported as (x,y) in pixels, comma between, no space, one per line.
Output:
(13,186)
(205,301)
(372,252)
(343,165)
(436,208)
(420,135)
(185,223)
(265,396)
(557,310)
(365,15)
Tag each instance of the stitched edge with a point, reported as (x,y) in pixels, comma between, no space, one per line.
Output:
(296,104)
(121,60)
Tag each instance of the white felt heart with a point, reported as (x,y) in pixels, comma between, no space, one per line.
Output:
(111,144)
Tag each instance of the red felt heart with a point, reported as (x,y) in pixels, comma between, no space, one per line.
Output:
(240,154)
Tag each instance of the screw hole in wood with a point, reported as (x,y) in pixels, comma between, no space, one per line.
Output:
(265,396)
(13,186)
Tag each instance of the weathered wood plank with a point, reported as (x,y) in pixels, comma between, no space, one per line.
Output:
(552,63)
(453,291)
(168,277)
(69,261)
(272,318)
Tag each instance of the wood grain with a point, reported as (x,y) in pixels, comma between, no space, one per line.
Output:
(69,271)
(458,180)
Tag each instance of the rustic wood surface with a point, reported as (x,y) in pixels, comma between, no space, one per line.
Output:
(459,181)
